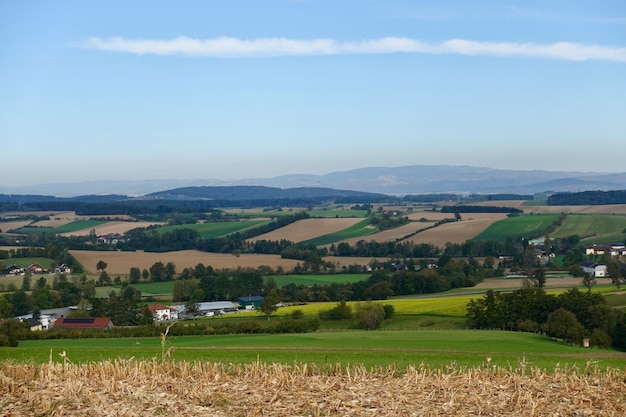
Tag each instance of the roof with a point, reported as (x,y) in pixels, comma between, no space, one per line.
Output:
(216,305)
(250,299)
(83,323)
(154,307)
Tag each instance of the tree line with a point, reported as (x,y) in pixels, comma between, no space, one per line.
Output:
(571,316)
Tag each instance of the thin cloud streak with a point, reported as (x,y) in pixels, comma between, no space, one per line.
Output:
(228,47)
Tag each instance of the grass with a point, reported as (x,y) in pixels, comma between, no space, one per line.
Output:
(518,227)
(601,228)
(398,348)
(337,213)
(214,230)
(362,228)
(66,228)
(282,280)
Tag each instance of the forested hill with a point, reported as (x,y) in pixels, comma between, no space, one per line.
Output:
(588,198)
(252,192)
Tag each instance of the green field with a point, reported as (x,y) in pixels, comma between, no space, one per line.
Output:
(337,213)
(400,349)
(362,228)
(597,228)
(282,280)
(66,228)
(517,227)
(213,230)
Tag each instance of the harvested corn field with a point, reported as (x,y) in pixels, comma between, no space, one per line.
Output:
(132,388)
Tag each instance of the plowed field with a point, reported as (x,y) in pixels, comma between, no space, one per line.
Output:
(308,229)
(110,228)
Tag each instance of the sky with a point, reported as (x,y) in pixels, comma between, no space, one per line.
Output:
(232,89)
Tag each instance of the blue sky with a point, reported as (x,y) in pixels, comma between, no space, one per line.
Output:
(130,90)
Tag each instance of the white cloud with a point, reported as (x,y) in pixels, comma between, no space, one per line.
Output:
(227,47)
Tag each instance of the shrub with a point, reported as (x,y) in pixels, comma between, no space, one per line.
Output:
(369,316)
(341,311)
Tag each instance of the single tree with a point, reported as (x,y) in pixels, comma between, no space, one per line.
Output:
(101,266)
(589,281)
(269,304)
(563,324)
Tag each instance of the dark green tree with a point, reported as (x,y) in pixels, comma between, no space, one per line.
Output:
(563,324)
(135,275)
(269,304)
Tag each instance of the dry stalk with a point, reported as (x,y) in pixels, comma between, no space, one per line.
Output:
(137,388)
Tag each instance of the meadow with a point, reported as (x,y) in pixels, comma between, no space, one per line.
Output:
(360,229)
(597,228)
(64,228)
(212,230)
(372,349)
(519,226)
(282,280)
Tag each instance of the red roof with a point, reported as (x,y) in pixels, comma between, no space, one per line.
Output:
(83,323)
(154,307)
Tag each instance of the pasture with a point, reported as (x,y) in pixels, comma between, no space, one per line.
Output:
(599,228)
(64,228)
(360,229)
(210,230)
(282,280)
(398,348)
(518,227)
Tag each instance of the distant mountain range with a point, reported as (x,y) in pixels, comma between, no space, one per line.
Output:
(398,181)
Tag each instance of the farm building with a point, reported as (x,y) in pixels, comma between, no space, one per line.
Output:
(63,269)
(615,249)
(47,317)
(162,312)
(83,323)
(35,269)
(33,324)
(12,270)
(594,269)
(250,302)
(213,308)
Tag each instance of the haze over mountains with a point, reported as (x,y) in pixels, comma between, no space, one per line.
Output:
(415,179)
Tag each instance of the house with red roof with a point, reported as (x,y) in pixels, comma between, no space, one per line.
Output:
(83,323)
(161,312)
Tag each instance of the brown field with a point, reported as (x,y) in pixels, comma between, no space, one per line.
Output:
(121,262)
(390,235)
(117,227)
(431,216)
(587,209)
(308,229)
(603,209)
(469,227)
(140,388)
(6,226)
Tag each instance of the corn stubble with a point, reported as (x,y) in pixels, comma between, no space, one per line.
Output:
(160,387)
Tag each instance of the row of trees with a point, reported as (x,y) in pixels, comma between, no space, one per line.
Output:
(571,316)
